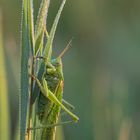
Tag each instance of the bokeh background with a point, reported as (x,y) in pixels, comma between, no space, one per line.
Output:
(102,69)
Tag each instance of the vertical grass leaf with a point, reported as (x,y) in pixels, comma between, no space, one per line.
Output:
(31,24)
(4,108)
(40,24)
(48,47)
(24,95)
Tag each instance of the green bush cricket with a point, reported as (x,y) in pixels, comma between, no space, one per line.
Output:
(46,100)
(51,94)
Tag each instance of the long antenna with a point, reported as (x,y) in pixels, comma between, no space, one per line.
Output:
(66,49)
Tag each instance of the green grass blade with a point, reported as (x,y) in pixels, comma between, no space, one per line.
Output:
(24,95)
(40,24)
(48,47)
(31,24)
(4,108)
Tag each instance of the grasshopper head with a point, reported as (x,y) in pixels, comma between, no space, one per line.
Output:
(57,63)
(54,67)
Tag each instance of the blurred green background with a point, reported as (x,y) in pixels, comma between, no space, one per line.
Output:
(102,69)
